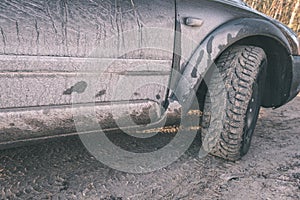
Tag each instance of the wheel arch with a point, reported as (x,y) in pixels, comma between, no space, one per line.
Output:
(245,31)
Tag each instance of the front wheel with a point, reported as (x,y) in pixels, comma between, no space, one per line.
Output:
(232,102)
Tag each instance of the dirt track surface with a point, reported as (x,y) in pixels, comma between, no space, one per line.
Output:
(63,169)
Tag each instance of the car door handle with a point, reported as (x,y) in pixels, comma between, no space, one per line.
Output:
(194,22)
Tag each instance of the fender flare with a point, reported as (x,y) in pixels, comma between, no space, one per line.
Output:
(212,46)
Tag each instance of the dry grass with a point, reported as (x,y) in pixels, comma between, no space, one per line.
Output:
(286,11)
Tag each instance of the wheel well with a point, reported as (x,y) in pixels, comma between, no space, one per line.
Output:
(279,71)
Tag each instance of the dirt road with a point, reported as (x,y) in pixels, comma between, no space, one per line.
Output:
(63,169)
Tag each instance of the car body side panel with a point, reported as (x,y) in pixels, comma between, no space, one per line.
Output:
(222,28)
(61,57)
(76,28)
(27,81)
(54,52)
(213,14)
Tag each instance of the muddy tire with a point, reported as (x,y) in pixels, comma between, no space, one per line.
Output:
(233,101)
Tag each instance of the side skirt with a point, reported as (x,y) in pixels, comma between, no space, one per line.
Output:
(20,125)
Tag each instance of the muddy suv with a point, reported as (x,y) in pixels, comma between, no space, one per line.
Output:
(137,64)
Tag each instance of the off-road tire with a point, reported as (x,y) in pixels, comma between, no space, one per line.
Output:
(232,102)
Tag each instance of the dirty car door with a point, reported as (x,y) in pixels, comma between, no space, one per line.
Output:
(52,52)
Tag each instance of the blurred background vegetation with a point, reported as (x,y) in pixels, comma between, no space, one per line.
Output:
(286,11)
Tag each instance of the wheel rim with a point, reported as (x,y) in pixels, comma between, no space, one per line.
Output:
(251,117)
